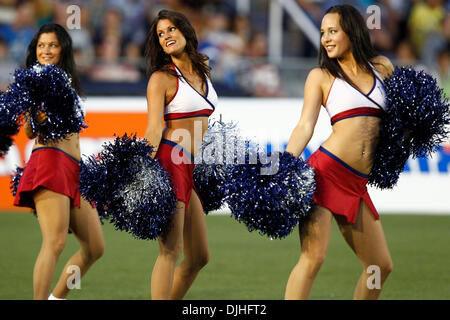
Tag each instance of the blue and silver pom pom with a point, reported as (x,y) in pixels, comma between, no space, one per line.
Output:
(393,150)
(422,107)
(46,89)
(416,122)
(129,187)
(219,151)
(271,196)
(15,180)
(9,121)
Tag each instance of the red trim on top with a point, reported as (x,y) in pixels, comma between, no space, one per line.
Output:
(361,111)
(173,67)
(326,100)
(179,115)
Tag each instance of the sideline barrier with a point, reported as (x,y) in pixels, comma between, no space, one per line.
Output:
(423,187)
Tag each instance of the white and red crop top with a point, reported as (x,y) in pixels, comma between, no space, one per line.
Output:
(344,101)
(188,102)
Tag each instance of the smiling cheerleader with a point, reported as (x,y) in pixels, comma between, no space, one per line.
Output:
(49,182)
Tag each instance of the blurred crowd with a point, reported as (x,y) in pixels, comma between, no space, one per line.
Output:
(109,39)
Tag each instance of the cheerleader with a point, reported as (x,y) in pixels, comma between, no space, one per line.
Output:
(49,183)
(349,83)
(180,93)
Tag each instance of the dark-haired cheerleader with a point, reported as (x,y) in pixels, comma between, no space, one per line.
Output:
(49,183)
(349,83)
(179,92)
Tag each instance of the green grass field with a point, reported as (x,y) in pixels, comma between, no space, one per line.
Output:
(243,265)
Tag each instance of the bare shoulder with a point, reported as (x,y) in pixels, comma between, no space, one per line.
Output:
(383,65)
(161,80)
(319,76)
(160,77)
(318,73)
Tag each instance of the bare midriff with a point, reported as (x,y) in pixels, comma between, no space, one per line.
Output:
(354,141)
(188,133)
(70,145)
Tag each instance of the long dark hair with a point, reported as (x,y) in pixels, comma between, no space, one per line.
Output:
(354,26)
(160,61)
(66,62)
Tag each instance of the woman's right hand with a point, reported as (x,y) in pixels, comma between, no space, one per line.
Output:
(40,117)
(27,127)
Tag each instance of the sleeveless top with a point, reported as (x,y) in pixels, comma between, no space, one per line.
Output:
(188,102)
(344,101)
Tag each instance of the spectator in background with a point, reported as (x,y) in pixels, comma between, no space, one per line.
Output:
(425,19)
(443,70)
(20,33)
(83,46)
(224,48)
(384,37)
(133,20)
(110,68)
(242,27)
(260,78)
(133,57)
(44,11)
(436,42)
(96,9)
(406,53)
(7,66)
(395,14)
(111,26)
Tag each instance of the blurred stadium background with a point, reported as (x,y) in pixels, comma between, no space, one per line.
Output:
(256,47)
(261,52)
